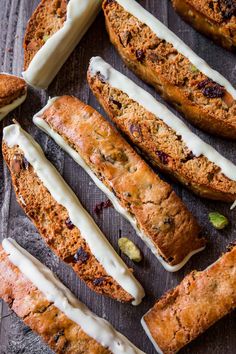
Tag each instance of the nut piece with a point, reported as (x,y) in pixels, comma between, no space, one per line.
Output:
(218,220)
(129,249)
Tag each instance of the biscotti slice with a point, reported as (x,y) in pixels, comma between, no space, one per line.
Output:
(151,206)
(62,221)
(37,296)
(159,57)
(52,33)
(216,19)
(161,136)
(13,91)
(200,300)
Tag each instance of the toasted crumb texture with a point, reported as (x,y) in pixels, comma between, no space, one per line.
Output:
(161,145)
(57,330)
(11,88)
(216,19)
(52,221)
(159,213)
(203,102)
(200,300)
(46,20)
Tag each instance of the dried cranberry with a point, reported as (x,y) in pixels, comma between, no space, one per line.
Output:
(103,205)
(81,255)
(164,158)
(101,77)
(117,103)
(211,89)
(140,55)
(98,281)
(69,224)
(135,130)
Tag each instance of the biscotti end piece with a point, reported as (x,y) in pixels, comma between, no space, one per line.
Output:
(200,300)
(46,20)
(59,223)
(13,91)
(51,310)
(216,19)
(161,136)
(151,206)
(148,48)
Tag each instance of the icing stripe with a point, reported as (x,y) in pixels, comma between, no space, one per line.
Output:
(136,93)
(53,54)
(165,33)
(148,333)
(61,297)
(100,247)
(78,158)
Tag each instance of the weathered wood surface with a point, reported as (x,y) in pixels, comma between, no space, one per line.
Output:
(15,337)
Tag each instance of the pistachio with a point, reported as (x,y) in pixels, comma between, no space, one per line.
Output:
(129,249)
(218,220)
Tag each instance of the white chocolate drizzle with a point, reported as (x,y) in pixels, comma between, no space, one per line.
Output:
(163,32)
(62,298)
(11,106)
(115,201)
(148,333)
(53,54)
(14,135)
(142,97)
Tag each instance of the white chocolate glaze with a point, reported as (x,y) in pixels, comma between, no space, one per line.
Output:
(53,54)
(163,32)
(148,333)
(14,135)
(136,93)
(8,108)
(78,158)
(62,298)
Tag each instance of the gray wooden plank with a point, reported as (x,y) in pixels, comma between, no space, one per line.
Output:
(15,337)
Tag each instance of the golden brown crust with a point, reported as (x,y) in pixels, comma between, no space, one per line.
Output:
(157,209)
(46,20)
(200,300)
(57,330)
(11,88)
(203,102)
(52,221)
(216,19)
(161,145)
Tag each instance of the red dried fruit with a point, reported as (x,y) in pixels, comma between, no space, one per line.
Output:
(81,255)
(164,158)
(103,205)
(69,224)
(211,89)
(135,130)
(140,55)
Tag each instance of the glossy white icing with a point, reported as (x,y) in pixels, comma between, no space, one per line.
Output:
(163,32)
(78,158)
(136,93)
(62,298)
(53,54)
(8,108)
(102,250)
(148,333)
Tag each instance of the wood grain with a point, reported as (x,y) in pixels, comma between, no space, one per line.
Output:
(14,336)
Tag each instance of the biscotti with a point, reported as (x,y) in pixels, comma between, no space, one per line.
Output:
(216,19)
(159,57)
(51,310)
(200,300)
(62,221)
(52,33)
(13,91)
(161,136)
(151,206)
